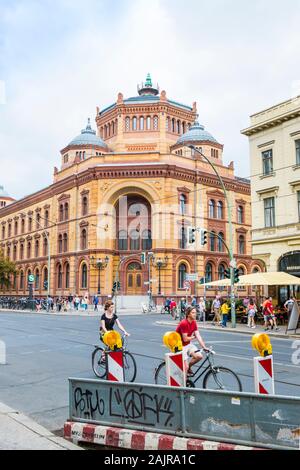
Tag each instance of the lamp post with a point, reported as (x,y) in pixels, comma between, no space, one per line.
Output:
(160,264)
(230,251)
(99,264)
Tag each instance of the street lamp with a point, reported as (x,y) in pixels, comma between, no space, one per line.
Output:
(99,264)
(160,264)
(230,251)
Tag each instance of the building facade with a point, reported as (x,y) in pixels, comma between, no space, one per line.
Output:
(131,187)
(274,138)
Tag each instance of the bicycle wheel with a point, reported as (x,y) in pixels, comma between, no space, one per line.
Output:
(129,367)
(221,378)
(160,376)
(98,363)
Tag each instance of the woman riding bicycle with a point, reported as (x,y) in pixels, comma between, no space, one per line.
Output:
(188,330)
(108,320)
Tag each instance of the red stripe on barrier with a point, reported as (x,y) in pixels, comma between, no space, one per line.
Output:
(173,383)
(117,357)
(165,442)
(223,446)
(194,444)
(267,365)
(88,433)
(138,440)
(67,430)
(178,360)
(112,378)
(263,390)
(112,437)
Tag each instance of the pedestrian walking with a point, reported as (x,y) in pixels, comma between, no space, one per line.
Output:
(224,310)
(216,305)
(202,309)
(251,312)
(76,302)
(96,302)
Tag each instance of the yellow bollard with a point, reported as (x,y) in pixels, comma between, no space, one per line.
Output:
(113,340)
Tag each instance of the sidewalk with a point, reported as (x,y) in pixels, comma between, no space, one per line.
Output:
(240,328)
(18,432)
(76,313)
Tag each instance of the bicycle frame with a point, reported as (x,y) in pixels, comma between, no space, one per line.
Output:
(194,377)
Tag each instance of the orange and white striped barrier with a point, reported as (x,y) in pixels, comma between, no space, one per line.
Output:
(115,366)
(264,375)
(175,370)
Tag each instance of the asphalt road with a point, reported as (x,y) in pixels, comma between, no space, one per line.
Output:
(43,351)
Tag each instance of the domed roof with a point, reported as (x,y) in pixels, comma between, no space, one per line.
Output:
(88,137)
(196,133)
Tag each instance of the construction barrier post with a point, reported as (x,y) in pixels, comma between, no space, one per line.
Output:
(175,369)
(115,366)
(264,375)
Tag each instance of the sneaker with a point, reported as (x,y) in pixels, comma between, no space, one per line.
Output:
(266,329)
(253,327)
(277,329)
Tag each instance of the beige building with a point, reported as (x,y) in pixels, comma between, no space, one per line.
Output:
(129,187)
(274,138)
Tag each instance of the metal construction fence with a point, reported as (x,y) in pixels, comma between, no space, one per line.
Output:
(239,418)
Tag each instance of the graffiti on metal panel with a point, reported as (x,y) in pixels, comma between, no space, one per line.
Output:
(136,406)
(140,407)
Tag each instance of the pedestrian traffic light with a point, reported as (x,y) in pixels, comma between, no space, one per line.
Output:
(192,235)
(227,273)
(203,237)
(116,286)
(236,276)
(143,258)
(202,281)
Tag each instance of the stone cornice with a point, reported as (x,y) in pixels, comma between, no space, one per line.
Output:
(271,123)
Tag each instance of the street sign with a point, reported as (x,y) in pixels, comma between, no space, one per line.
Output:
(187,285)
(192,277)
(31,278)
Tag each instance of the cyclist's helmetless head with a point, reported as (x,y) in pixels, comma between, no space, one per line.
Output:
(108,304)
(191,313)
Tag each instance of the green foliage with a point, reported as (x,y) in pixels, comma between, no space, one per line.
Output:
(7,269)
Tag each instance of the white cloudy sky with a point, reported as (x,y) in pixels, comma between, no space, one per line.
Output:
(59,59)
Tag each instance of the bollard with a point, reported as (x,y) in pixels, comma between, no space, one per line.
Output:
(263,365)
(175,367)
(114,357)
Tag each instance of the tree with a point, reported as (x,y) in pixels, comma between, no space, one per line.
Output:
(7,268)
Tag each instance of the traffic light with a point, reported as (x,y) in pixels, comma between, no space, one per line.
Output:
(202,281)
(236,275)
(192,235)
(45,285)
(227,273)
(203,237)
(116,286)
(143,258)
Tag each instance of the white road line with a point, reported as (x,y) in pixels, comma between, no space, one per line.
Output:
(251,359)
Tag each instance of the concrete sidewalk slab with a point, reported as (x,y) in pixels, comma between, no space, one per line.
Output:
(18,432)
(75,313)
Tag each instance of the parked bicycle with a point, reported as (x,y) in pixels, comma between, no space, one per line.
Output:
(215,377)
(99,361)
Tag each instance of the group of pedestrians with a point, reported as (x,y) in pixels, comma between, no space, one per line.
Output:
(64,304)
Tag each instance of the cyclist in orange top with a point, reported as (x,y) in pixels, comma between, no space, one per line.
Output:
(188,330)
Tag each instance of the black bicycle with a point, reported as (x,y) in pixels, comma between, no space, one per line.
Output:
(215,377)
(99,362)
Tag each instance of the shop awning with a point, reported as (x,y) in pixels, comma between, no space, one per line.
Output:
(260,279)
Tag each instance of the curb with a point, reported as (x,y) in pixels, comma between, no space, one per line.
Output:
(234,330)
(140,440)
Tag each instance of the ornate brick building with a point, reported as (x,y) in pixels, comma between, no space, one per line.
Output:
(132,186)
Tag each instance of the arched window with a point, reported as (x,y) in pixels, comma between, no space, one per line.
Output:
(221,272)
(16,228)
(15,281)
(173,125)
(178,127)
(167,124)
(241,271)
(29,224)
(37,280)
(60,244)
(134,240)
(15,253)
(67,276)
(220,210)
(23,226)
(38,221)
(21,279)
(148,123)
(113,128)
(9,230)
(22,251)
(183,201)
(212,209)
(242,247)
(84,279)
(155,123)
(3,232)
(85,208)
(84,239)
(183,127)
(59,276)
(45,277)
(61,212)
(127,124)
(208,273)
(141,123)
(8,252)
(146,240)
(122,240)
(240,215)
(182,271)
(255,271)
(65,242)
(45,247)
(220,242)
(108,130)
(134,124)
(46,219)
(37,249)
(66,211)
(28,250)
(212,241)
(105,132)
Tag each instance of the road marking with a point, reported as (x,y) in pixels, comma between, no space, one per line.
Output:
(251,359)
